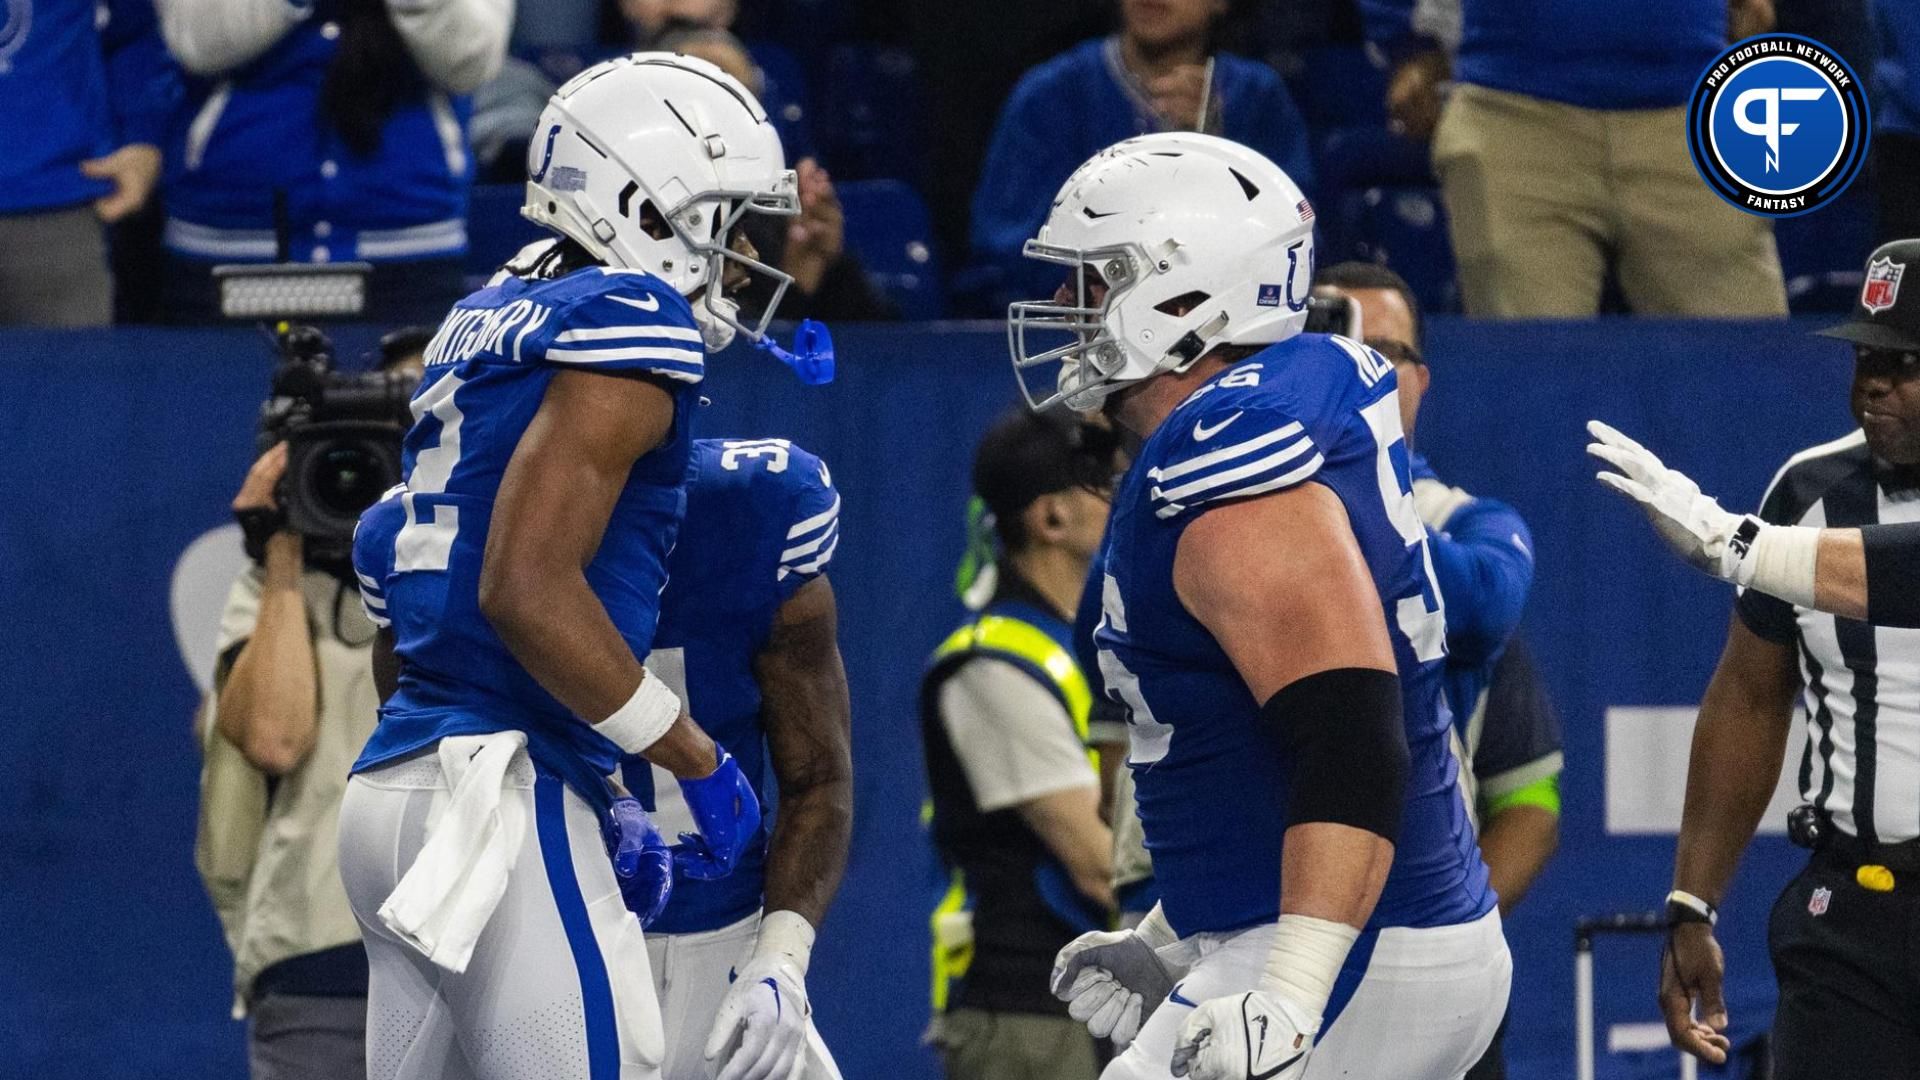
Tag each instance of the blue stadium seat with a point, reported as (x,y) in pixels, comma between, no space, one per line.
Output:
(889,229)
(785,97)
(870,115)
(779,64)
(495,229)
(1402,227)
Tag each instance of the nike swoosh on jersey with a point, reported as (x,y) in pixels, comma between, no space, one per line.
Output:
(644,303)
(1174,996)
(1278,1069)
(1201,432)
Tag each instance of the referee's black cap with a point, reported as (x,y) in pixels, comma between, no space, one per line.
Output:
(1887,313)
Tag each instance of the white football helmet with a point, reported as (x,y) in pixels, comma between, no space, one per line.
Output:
(675,140)
(1172,222)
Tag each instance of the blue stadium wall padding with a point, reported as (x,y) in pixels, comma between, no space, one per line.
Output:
(123,447)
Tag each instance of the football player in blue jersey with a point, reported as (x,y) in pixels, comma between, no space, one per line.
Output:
(748,636)
(545,477)
(1271,623)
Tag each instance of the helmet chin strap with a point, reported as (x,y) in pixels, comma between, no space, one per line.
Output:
(1193,344)
(716,326)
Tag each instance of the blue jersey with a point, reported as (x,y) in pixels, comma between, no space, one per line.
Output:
(1483,563)
(762,520)
(1212,790)
(488,368)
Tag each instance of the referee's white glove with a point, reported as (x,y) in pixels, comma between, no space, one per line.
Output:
(760,1030)
(1779,560)
(1112,981)
(1691,523)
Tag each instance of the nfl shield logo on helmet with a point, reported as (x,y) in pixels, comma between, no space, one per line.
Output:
(1883,285)
(1817,904)
(1269,296)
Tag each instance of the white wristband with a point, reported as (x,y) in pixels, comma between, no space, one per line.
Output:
(644,718)
(789,934)
(1306,958)
(1779,560)
(1155,930)
(1694,904)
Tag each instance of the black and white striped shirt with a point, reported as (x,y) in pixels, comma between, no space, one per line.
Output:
(1860,760)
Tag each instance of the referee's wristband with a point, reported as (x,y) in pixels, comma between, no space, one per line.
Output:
(644,718)
(1684,907)
(1779,560)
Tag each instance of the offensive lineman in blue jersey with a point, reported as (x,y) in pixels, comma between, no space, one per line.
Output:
(748,636)
(544,488)
(1271,624)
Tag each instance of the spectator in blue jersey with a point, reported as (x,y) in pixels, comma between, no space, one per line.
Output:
(1161,72)
(1896,115)
(1483,564)
(324,134)
(1561,152)
(86,101)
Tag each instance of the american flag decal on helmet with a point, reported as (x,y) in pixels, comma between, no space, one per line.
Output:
(1306,210)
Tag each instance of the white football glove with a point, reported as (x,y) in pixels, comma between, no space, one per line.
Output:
(1691,523)
(1112,982)
(760,1031)
(1253,1036)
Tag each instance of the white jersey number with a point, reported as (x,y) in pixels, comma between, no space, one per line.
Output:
(427,543)
(771,451)
(1423,618)
(1147,737)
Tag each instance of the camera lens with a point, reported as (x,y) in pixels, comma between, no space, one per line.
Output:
(348,477)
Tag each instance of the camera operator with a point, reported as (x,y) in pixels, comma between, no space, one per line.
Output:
(294,692)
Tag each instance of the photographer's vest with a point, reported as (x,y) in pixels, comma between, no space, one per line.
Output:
(268,848)
(1010,905)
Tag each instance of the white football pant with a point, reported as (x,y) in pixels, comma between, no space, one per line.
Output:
(1426,1009)
(691,974)
(558,986)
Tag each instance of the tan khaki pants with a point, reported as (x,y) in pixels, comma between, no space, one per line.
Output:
(979,1045)
(1543,196)
(53,269)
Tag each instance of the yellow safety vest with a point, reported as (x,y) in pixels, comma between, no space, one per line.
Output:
(952,922)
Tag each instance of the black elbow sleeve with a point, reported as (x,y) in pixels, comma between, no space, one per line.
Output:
(1893,574)
(1342,736)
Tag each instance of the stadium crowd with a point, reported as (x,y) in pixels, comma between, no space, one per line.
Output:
(171,135)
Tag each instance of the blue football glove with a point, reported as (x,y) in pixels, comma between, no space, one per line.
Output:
(727,814)
(642,861)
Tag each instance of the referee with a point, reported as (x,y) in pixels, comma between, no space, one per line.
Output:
(1845,934)
(1828,569)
